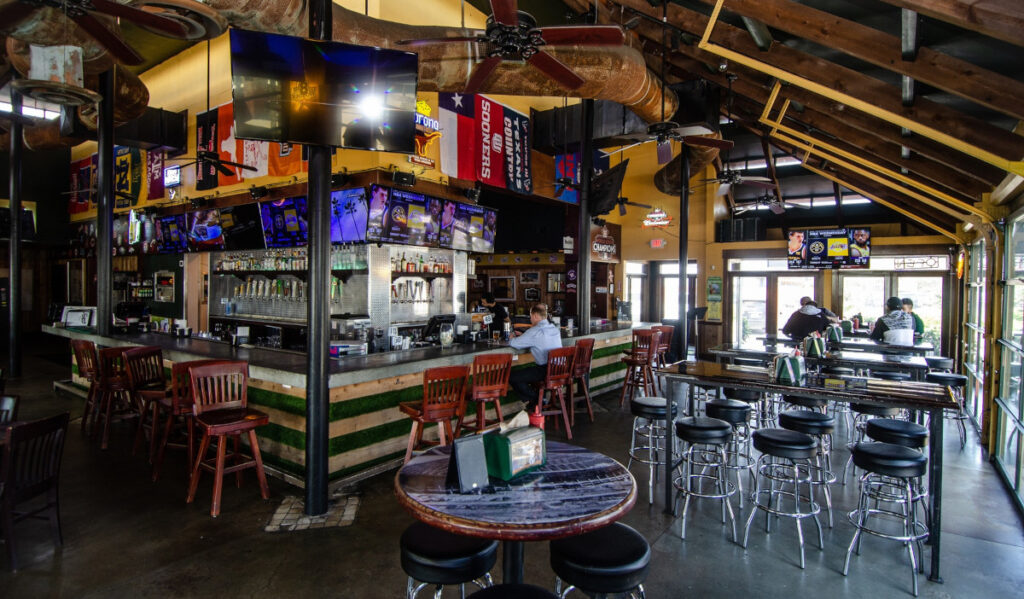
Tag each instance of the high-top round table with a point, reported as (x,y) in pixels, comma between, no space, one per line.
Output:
(575,492)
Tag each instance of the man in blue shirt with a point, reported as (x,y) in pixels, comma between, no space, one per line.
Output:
(541,338)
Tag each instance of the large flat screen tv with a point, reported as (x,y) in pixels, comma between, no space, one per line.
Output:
(348,215)
(284,222)
(171,234)
(379,200)
(205,232)
(243,229)
(409,219)
(812,249)
(468,227)
(290,89)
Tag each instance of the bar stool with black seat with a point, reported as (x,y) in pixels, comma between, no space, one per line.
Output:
(891,375)
(489,384)
(755,400)
(220,404)
(808,403)
(783,452)
(9,408)
(581,374)
(649,422)
(513,591)
(705,461)
(639,365)
(890,475)
(176,408)
(864,412)
(939,363)
(956,383)
(556,379)
(145,368)
(612,559)
(820,426)
(444,399)
(30,460)
(114,392)
(738,452)
(431,556)
(88,365)
(907,434)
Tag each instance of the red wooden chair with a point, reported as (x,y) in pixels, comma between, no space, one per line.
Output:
(220,396)
(639,371)
(89,369)
(9,408)
(145,368)
(490,383)
(580,372)
(444,398)
(174,405)
(556,379)
(114,392)
(30,468)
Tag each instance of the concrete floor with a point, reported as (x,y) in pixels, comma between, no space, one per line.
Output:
(128,537)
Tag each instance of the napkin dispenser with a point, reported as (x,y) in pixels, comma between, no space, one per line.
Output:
(847,326)
(789,370)
(814,347)
(514,452)
(834,333)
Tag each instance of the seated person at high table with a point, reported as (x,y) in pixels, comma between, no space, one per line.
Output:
(541,338)
(894,319)
(808,319)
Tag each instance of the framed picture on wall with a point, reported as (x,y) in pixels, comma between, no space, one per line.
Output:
(478,284)
(503,288)
(529,278)
(532,294)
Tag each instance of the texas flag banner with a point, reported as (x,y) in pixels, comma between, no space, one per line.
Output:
(456,114)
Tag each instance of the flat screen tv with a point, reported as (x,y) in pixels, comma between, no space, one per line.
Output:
(290,89)
(205,232)
(813,249)
(408,219)
(243,229)
(379,198)
(284,222)
(348,215)
(171,235)
(142,231)
(471,227)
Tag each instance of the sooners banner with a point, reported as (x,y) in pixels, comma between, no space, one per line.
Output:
(490,168)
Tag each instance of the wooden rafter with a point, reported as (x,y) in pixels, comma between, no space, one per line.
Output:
(995,91)
(1001,19)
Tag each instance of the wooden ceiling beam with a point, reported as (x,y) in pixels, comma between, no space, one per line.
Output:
(1001,19)
(984,87)
(929,114)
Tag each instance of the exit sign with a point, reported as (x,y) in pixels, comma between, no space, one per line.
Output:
(657,244)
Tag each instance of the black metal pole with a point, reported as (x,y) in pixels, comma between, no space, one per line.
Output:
(318,309)
(105,203)
(14,289)
(586,172)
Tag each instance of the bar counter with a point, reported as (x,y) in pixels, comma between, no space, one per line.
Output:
(367,431)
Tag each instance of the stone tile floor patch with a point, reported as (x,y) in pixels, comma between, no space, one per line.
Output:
(290,516)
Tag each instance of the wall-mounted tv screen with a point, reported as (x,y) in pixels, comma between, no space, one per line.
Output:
(378,208)
(348,215)
(205,232)
(472,227)
(171,234)
(242,227)
(829,248)
(290,89)
(172,176)
(284,222)
(408,219)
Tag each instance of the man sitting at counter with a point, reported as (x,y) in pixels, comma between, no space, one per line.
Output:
(540,338)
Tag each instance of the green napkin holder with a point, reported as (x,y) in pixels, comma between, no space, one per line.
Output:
(834,333)
(515,452)
(814,347)
(847,326)
(789,370)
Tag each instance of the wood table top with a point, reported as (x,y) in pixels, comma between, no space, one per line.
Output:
(576,491)
(860,359)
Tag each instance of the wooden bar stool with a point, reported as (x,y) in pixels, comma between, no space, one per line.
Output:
(114,392)
(639,372)
(177,404)
(88,368)
(557,378)
(664,346)
(220,395)
(145,368)
(580,373)
(444,398)
(490,383)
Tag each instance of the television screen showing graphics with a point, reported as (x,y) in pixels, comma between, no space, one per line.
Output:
(171,235)
(815,249)
(284,222)
(349,213)
(172,176)
(446,231)
(379,197)
(409,220)
(290,89)
(242,226)
(205,232)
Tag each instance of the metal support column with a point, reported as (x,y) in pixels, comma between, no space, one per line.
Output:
(583,281)
(105,203)
(682,343)
(14,290)
(318,308)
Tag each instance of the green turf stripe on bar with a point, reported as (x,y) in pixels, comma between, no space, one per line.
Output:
(74,369)
(374,403)
(369,436)
(283,464)
(283,435)
(279,401)
(607,369)
(613,349)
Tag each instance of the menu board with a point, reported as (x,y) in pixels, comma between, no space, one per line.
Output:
(348,215)
(284,222)
(242,227)
(378,209)
(813,249)
(171,234)
(204,231)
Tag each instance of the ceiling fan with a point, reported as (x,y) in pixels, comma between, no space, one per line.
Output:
(729,177)
(213,159)
(771,202)
(512,34)
(84,12)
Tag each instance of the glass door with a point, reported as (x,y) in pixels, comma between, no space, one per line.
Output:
(864,295)
(749,308)
(788,291)
(926,293)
